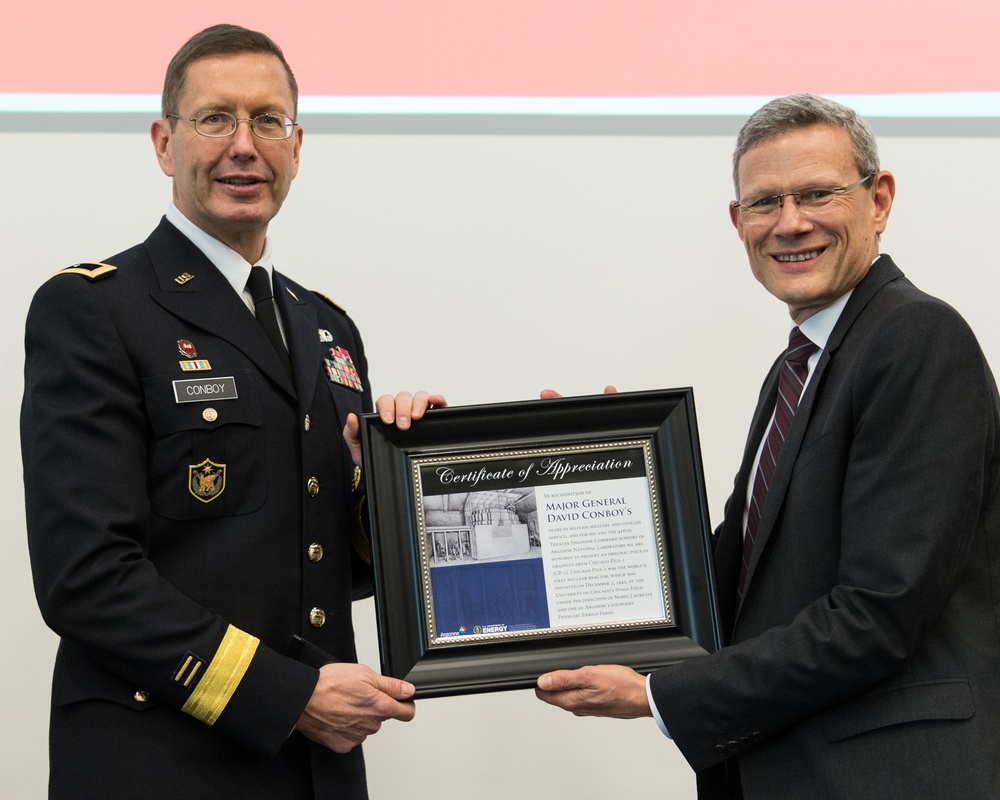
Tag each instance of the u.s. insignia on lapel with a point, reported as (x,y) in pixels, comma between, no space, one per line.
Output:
(325,335)
(340,369)
(206,480)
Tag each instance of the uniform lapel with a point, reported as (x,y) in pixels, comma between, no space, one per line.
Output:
(302,331)
(207,300)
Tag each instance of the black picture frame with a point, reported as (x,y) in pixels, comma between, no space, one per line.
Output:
(660,424)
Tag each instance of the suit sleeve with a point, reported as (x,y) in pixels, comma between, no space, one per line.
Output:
(902,494)
(85,439)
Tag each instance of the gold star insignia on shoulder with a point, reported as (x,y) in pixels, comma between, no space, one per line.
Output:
(91,270)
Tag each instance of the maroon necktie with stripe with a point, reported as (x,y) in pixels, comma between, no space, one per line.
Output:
(794,370)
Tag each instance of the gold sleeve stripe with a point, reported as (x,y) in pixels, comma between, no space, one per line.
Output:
(229,665)
(194,672)
(183,669)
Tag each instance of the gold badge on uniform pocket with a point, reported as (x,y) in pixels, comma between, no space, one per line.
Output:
(206,480)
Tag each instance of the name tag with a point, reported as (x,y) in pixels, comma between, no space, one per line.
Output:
(200,389)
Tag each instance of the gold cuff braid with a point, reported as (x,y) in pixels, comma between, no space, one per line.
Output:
(224,673)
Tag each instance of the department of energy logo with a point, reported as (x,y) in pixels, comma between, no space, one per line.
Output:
(476,629)
(490,629)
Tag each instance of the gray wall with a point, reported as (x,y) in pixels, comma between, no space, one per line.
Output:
(486,267)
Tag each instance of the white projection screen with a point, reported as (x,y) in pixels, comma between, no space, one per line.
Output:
(506,196)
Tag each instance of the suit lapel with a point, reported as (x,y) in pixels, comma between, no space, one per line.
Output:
(882,271)
(784,468)
(729,549)
(207,299)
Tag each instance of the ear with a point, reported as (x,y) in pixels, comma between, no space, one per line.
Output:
(161,134)
(885,191)
(298,146)
(734,217)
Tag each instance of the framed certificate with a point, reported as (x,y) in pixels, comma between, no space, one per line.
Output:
(516,538)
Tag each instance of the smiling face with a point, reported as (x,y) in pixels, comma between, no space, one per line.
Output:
(230,187)
(810,260)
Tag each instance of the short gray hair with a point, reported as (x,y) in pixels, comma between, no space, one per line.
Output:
(802,111)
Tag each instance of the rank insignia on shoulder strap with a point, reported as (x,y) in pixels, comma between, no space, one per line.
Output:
(91,270)
(329,302)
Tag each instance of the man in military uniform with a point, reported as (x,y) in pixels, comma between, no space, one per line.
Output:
(191,500)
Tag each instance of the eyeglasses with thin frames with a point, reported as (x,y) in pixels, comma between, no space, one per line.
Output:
(219,124)
(810,200)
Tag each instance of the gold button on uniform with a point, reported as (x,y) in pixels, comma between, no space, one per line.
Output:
(210,415)
(307,422)
(141,696)
(312,486)
(315,552)
(317,617)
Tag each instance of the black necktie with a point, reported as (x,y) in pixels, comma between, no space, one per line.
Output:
(259,285)
(793,374)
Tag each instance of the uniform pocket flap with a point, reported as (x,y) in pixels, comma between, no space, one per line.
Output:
(207,403)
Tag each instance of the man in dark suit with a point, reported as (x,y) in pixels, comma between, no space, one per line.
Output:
(192,503)
(859,578)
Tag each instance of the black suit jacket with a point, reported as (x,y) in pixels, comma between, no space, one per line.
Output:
(864,661)
(175,607)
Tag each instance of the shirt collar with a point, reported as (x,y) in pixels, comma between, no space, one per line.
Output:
(231,264)
(821,324)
